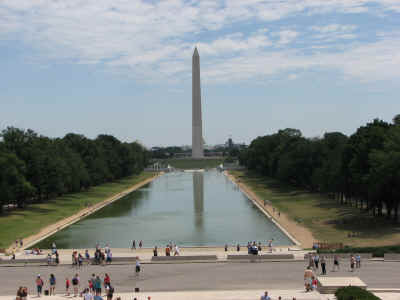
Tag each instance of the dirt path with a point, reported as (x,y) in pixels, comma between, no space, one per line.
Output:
(53,228)
(299,232)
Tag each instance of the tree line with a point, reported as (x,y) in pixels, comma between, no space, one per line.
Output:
(362,169)
(35,168)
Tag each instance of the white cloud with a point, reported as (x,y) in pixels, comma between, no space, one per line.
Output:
(334,32)
(155,39)
(286,36)
(234,43)
(334,28)
(393,5)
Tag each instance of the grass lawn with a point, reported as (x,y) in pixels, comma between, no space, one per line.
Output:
(327,220)
(188,163)
(25,222)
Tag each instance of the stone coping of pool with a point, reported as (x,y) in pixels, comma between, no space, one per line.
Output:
(216,295)
(146,254)
(263,210)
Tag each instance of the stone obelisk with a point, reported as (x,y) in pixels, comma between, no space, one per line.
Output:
(197,130)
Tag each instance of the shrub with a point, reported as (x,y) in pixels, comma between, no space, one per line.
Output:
(354,293)
(376,251)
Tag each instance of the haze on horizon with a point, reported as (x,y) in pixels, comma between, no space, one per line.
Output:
(124,67)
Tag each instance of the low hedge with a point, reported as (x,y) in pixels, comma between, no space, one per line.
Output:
(354,293)
(376,251)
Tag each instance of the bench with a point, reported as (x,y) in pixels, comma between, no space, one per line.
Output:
(263,257)
(184,258)
(391,256)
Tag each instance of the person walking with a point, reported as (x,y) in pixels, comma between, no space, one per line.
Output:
(167,251)
(310,260)
(39,285)
(137,268)
(52,282)
(176,251)
(308,275)
(97,286)
(87,256)
(155,251)
(93,279)
(80,260)
(109,257)
(67,284)
(75,284)
(323,265)
(335,263)
(270,245)
(316,261)
(358,261)
(107,280)
(90,285)
(352,263)
(57,258)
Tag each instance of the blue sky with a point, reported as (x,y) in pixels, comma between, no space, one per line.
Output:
(124,67)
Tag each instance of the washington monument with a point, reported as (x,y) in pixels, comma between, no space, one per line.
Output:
(197,130)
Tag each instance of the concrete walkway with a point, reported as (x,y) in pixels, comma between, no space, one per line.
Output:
(206,295)
(215,295)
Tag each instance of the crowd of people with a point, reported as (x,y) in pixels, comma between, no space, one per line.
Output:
(315,261)
(254,248)
(94,287)
(100,257)
(172,249)
(93,290)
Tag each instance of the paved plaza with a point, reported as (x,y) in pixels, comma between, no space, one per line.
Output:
(185,277)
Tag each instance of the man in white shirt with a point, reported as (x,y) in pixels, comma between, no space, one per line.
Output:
(137,269)
(88,295)
(264,297)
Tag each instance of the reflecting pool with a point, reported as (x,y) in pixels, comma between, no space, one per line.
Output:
(187,208)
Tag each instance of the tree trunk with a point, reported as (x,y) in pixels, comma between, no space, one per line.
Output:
(388,212)
(380,209)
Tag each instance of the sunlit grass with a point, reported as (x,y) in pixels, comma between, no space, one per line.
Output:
(325,217)
(25,222)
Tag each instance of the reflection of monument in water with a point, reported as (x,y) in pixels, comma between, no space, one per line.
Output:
(198,197)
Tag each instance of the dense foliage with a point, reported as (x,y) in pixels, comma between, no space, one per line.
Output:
(376,251)
(354,293)
(361,170)
(34,168)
